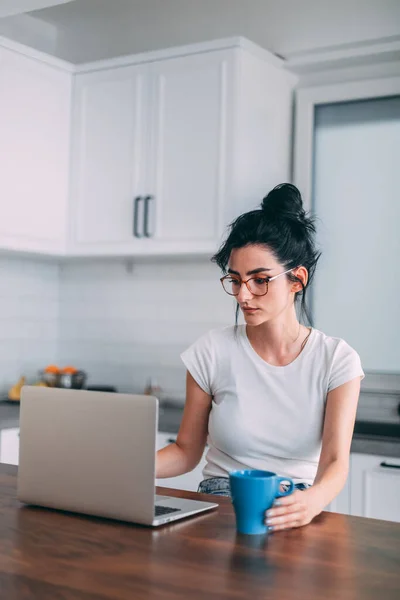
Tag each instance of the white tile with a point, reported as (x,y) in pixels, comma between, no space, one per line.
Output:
(132,325)
(29,313)
(121,326)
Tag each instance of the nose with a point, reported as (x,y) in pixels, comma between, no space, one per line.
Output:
(244,294)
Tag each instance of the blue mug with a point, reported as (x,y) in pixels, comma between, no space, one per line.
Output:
(253,492)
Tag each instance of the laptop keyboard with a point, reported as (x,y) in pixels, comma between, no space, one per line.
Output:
(164,510)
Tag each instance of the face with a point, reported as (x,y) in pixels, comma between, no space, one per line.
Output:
(259,262)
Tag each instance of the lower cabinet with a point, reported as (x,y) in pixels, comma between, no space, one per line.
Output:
(375,487)
(9,445)
(341,504)
(188,481)
(372,488)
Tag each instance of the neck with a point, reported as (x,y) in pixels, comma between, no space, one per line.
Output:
(279,339)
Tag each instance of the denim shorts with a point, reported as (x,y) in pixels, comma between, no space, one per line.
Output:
(219,486)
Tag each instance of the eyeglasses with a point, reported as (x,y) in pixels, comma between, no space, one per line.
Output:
(258,286)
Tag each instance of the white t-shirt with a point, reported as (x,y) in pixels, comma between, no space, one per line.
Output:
(264,416)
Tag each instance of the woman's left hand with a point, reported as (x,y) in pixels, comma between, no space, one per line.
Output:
(295,510)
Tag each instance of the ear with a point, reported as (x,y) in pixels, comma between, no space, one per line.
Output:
(302,274)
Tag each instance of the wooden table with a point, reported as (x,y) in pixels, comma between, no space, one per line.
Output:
(51,555)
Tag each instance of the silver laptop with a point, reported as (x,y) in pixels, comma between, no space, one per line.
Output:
(94,453)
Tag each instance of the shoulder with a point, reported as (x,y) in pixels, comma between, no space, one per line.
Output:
(340,361)
(332,347)
(204,356)
(217,338)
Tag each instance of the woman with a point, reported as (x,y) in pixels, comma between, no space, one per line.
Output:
(272,394)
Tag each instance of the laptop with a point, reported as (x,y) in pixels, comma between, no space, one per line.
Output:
(94,453)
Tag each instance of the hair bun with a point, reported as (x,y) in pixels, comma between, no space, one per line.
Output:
(284,202)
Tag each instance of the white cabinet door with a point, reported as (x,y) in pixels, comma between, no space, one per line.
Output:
(375,487)
(109,156)
(188,481)
(341,504)
(9,446)
(188,149)
(34,153)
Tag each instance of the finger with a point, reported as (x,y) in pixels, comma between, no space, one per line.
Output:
(283,510)
(298,520)
(287,500)
(290,525)
(282,520)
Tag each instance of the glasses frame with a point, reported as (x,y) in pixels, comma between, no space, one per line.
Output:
(246,281)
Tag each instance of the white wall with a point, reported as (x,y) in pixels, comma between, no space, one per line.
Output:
(123,327)
(29,304)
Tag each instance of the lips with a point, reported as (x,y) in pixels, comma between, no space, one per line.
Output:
(249,310)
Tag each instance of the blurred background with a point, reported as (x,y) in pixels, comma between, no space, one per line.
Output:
(133,132)
(77,286)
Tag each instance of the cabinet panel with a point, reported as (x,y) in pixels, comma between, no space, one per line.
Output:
(341,504)
(108,150)
(9,445)
(375,487)
(187,158)
(34,153)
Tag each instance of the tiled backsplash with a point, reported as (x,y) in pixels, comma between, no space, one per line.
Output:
(29,317)
(124,322)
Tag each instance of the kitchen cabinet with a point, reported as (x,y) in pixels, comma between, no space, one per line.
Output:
(341,504)
(375,487)
(141,155)
(147,160)
(108,151)
(188,481)
(9,445)
(166,152)
(34,152)
(189,122)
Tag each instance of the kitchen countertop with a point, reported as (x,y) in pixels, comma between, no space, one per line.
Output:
(47,554)
(170,417)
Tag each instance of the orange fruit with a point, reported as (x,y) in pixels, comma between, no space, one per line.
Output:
(52,369)
(69,370)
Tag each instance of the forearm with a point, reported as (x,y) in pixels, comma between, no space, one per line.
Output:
(172,461)
(329,481)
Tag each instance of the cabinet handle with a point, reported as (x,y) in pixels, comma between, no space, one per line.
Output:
(136,217)
(389,466)
(146,216)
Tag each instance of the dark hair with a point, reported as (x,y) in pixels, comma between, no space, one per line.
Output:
(283,226)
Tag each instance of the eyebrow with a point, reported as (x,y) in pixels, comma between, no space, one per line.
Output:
(253,272)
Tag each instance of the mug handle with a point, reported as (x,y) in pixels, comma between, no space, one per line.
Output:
(279,480)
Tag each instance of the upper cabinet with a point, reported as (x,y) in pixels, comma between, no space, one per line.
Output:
(166,152)
(148,156)
(35,100)
(153,154)
(108,155)
(186,177)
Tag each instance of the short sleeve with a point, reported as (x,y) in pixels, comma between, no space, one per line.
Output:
(346,365)
(199,359)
